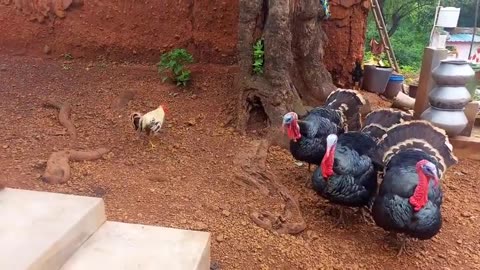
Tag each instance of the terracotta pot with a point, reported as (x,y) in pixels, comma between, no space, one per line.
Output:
(453,72)
(452,121)
(412,90)
(449,97)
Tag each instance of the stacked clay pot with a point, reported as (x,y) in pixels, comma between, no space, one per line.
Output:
(450,96)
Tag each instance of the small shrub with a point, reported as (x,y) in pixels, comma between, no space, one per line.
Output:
(174,61)
(258,53)
(378,60)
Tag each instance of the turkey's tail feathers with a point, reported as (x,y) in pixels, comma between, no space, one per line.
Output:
(135,119)
(379,121)
(348,103)
(419,135)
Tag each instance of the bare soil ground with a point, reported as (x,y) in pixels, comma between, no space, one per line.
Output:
(188,180)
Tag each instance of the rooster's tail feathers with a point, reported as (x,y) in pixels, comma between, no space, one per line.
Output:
(135,119)
(379,121)
(419,135)
(349,103)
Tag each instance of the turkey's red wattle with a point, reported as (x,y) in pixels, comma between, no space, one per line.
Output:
(327,163)
(293,131)
(420,195)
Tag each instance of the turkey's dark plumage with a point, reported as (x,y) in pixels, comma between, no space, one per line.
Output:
(342,110)
(314,128)
(392,210)
(379,121)
(400,150)
(355,180)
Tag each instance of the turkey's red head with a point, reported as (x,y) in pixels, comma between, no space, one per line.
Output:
(426,171)
(290,125)
(329,157)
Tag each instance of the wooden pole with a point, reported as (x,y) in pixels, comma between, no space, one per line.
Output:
(431,59)
(474,29)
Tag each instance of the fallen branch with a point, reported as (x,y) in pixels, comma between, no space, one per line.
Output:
(253,171)
(58,169)
(65,110)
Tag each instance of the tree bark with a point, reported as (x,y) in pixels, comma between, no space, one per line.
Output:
(294,73)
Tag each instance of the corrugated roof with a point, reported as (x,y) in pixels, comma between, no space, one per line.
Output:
(462,38)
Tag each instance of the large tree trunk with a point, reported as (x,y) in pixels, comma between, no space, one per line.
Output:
(294,73)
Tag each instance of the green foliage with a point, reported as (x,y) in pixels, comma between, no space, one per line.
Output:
(378,60)
(413,32)
(174,61)
(258,56)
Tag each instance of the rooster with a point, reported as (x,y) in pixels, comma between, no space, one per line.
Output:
(357,74)
(415,155)
(347,176)
(308,134)
(149,123)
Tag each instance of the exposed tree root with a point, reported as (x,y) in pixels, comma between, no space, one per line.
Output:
(252,171)
(58,169)
(65,110)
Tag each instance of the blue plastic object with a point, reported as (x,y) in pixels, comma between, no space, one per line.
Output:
(396,78)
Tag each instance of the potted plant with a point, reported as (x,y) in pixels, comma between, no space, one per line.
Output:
(377,72)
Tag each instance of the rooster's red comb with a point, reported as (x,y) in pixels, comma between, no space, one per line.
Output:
(165,109)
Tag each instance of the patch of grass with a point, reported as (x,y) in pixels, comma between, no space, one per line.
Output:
(258,55)
(174,61)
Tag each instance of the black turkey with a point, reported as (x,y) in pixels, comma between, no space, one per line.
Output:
(415,155)
(308,134)
(347,176)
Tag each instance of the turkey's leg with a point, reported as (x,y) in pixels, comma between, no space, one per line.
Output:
(403,247)
(308,183)
(365,214)
(341,217)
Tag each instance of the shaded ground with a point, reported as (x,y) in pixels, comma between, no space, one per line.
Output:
(187,181)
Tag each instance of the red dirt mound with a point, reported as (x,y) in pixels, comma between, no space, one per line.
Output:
(127,30)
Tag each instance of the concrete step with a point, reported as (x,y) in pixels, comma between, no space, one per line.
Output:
(41,230)
(139,247)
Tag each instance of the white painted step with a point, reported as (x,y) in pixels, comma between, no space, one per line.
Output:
(123,246)
(41,230)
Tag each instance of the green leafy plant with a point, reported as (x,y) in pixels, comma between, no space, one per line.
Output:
(378,60)
(174,61)
(258,54)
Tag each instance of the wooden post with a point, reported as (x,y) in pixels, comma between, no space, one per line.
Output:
(431,59)
(466,147)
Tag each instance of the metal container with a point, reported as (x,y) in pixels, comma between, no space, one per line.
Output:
(453,72)
(452,121)
(450,96)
